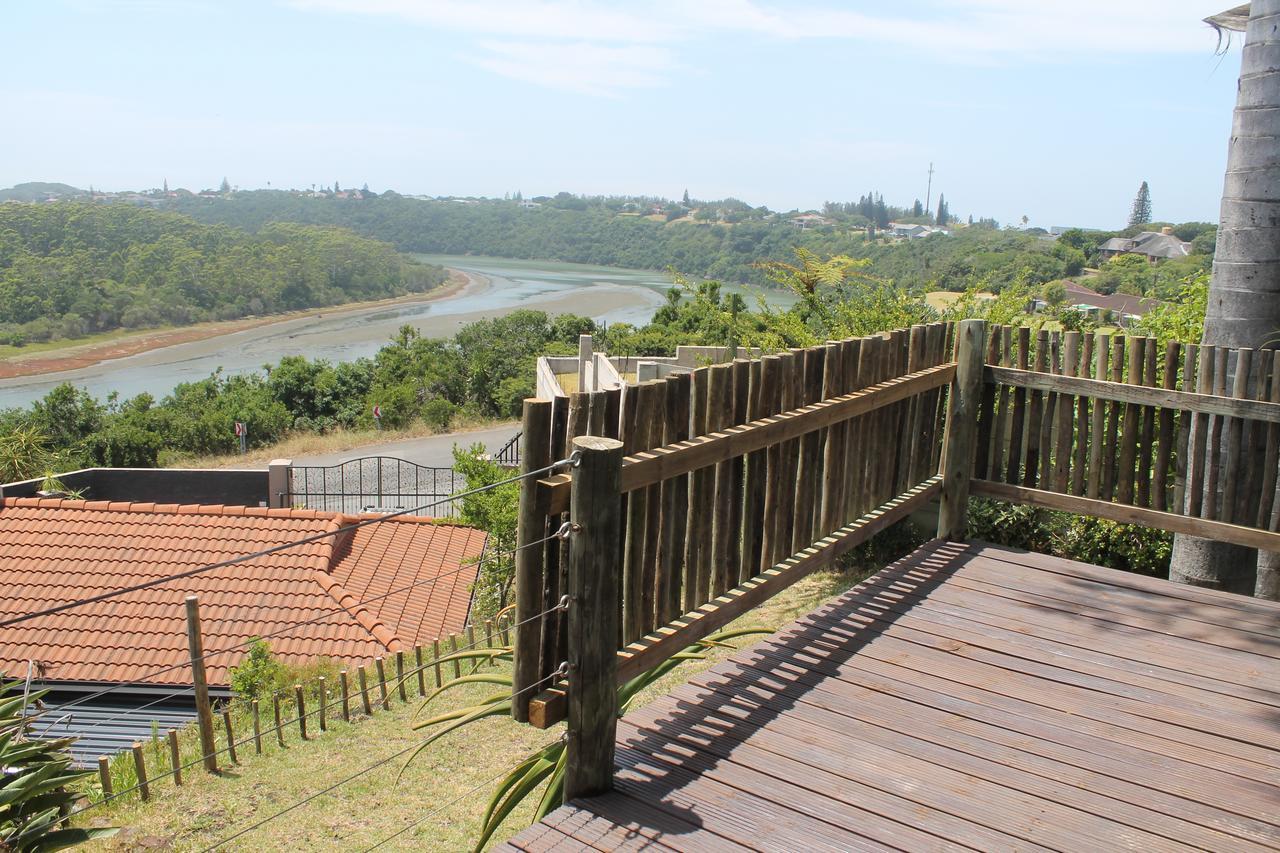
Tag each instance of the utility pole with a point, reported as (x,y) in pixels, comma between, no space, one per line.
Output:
(928,195)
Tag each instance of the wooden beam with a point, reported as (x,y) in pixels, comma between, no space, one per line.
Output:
(1257,410)
(653,466)
(962,429)
(1247,536)
(594,590)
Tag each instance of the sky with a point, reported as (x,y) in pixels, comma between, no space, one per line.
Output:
(1055,110)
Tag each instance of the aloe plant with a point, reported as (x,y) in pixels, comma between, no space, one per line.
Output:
(36,780)
(547,764)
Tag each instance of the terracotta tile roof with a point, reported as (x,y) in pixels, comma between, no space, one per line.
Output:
(53,551)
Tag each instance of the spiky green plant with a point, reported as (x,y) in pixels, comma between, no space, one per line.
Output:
(547,764)
(36,780)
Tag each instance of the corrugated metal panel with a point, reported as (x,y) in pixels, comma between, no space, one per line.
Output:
(109,724)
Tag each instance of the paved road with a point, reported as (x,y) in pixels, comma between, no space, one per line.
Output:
(435,451)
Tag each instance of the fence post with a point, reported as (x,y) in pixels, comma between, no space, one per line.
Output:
(257,729)
(104,776)
(593,587)
(382,683)
(140,769)
(278,492)
(302,710)
(962,423)
(322,711)
(535,453)
(204,711)
(175,756)
(346,696)
(231,736)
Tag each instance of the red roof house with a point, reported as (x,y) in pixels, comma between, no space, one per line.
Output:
(352,596)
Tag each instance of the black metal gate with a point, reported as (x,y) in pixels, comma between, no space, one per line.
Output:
(376,484)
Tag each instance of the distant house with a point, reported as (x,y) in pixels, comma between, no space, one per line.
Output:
(913,231)
(353,596)
(1124,307)
(805,221)
(529,205)
(1153,245)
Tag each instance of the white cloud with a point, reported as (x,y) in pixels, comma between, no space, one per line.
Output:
(598,48)
(577,66)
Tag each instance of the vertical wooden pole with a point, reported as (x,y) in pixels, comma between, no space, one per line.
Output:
(420,667)
(104,776)
(435,657)
(231,737)
(257,729)
(364,692)
(323,711)
(204,711)
(346,696)
(453,649)
(400,688)
(175,757)
(302,710)
(140,769)
(275,708)
(382,682)
(595,506)
(962,413)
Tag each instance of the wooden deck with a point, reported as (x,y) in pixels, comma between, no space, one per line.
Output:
(966,697)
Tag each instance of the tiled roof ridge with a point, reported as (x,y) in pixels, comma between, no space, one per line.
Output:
(180,509)
(323,572)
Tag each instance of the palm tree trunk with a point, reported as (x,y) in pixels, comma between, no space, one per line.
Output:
(1244,292)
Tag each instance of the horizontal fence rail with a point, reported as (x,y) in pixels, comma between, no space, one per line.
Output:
(1182,438)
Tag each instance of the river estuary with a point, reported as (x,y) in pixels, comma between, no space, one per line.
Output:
(497,286)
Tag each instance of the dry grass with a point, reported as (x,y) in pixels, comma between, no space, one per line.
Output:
(310,444)
(463,766)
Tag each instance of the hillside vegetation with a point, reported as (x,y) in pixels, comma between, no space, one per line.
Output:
(725,241)
(74,268)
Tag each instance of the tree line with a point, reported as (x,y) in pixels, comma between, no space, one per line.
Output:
(75,268)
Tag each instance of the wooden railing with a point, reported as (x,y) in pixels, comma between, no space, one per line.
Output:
(738,480)
(1178,438)
(742,478)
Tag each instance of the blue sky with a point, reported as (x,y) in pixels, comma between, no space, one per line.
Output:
(1055,113)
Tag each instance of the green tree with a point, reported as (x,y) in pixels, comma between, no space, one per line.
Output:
(1141,210)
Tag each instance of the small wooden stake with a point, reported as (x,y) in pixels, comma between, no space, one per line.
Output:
(175,757)
(435,647)
(302,709)
(231,738)
(140,768)
(400,688)
(364,691)
(422,676)
(382,683)
(346,696)
(457,663)
(275,702)
(257,729)
(104,776)
(324,704)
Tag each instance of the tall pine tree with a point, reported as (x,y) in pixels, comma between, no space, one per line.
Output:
(943,214)
(1141,212)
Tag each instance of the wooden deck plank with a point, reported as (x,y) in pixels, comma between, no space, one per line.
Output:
(967,697)
(819,738)
(1176,789)
(952,660)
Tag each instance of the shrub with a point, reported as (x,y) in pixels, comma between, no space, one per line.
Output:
(438,413)
(1118,546)
(258,672)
